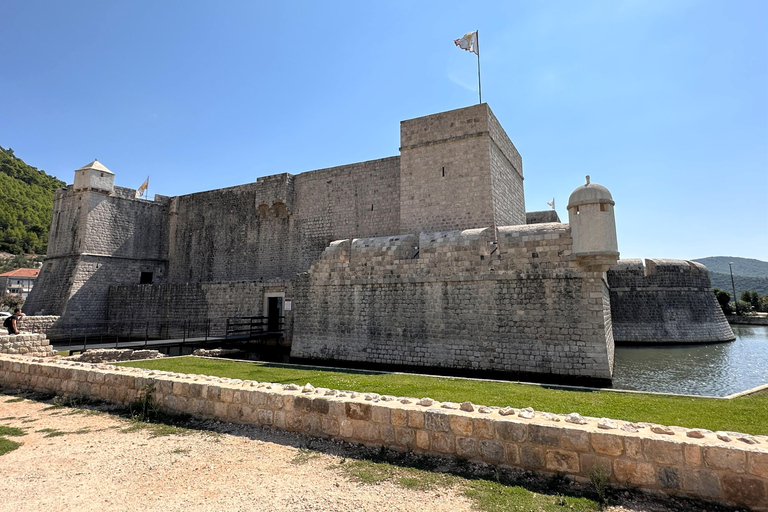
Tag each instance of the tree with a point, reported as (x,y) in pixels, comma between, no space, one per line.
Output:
(752,298)
(12,301)
(724,299)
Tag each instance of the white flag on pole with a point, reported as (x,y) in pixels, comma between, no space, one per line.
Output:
(143,188)
(552,203)
(469,43)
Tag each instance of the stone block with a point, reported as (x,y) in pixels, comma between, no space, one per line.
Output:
(725,457)
(387,433)
(574,439)
(358,411)
(543,435)
(302,404)
(461,425)
(607,444)
(437,421)
(633,447)
(442,442)
(399,417)
(466,447)
(668,477)
(380,414)
(422,439)
(226,395)
(745,490)
(266,416)
(563,461)
(531,457)
(492,451)
(405,437)
(757,464)
(631,472)
(330,426)
(692,455)
(415,419)
(590,461)
(662,451)
(511,431)
(320,405)
(483,428)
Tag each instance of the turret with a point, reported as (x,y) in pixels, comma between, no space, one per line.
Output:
(94,176)
(593,227)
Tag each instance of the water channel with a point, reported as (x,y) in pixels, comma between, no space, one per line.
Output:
(718,369)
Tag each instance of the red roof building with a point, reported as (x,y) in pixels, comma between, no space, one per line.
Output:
(18,282)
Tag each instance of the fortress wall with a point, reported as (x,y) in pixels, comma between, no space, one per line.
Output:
(726,467)
(460,304)
(193,304)
(356,200)
(235,233)
(277,226)
(67,225)
(124,237)
(506,176)
(664,301)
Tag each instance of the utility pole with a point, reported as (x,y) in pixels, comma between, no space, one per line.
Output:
(733,285)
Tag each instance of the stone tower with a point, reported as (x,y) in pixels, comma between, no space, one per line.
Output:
(593,227)
(95,177)
(459,170)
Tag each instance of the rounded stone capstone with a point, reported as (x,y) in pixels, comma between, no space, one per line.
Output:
(591,193)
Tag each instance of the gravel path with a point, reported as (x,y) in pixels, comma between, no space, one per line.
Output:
(107,469)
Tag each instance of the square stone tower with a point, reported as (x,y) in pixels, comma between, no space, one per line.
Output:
(459,170)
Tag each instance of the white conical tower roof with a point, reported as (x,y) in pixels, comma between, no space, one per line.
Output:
(95,166)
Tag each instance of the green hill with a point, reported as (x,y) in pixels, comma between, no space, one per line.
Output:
(748,274)
(743,283)
(741,266)
(26,203)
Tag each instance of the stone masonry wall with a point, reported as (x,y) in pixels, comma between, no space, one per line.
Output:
(97,240)
(458,170)
(140,307)
(277,226)
(665,301)
(457,300)
(29,344)
(719,466)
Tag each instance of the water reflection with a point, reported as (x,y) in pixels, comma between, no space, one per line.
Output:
(713,369)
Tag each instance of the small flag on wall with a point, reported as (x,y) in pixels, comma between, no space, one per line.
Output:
(469,43)
(552,203)
(143,188)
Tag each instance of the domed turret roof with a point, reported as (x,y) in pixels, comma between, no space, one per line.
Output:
(590,193)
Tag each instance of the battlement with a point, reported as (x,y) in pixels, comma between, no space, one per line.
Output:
(658,272)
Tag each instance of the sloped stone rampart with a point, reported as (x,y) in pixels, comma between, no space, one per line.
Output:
(665,301)
(508,300)
(726,467)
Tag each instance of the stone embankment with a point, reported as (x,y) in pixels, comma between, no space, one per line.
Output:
(726,467)
(28,344)
(109,355)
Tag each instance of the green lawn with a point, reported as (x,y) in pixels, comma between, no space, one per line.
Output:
(747,414)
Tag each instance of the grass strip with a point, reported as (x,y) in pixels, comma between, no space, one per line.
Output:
(6,445)
(746,414)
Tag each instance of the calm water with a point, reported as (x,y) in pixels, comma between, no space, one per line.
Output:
(713,369)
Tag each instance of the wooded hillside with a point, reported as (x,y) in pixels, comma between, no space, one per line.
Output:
(26,202)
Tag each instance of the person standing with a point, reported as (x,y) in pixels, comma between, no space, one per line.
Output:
(12,322)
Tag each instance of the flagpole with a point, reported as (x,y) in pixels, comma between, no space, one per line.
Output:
(479,87)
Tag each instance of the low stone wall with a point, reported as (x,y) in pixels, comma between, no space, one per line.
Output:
(38,324)
(27,344)
(726,467)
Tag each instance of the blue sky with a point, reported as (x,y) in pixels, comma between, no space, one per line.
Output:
(663,102)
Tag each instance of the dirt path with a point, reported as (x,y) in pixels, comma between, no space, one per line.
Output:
(104,468)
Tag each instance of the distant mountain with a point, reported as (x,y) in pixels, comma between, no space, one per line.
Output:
(741,266)
(748,274)
(26,204)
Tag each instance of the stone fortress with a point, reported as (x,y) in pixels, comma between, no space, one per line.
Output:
(423,260)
